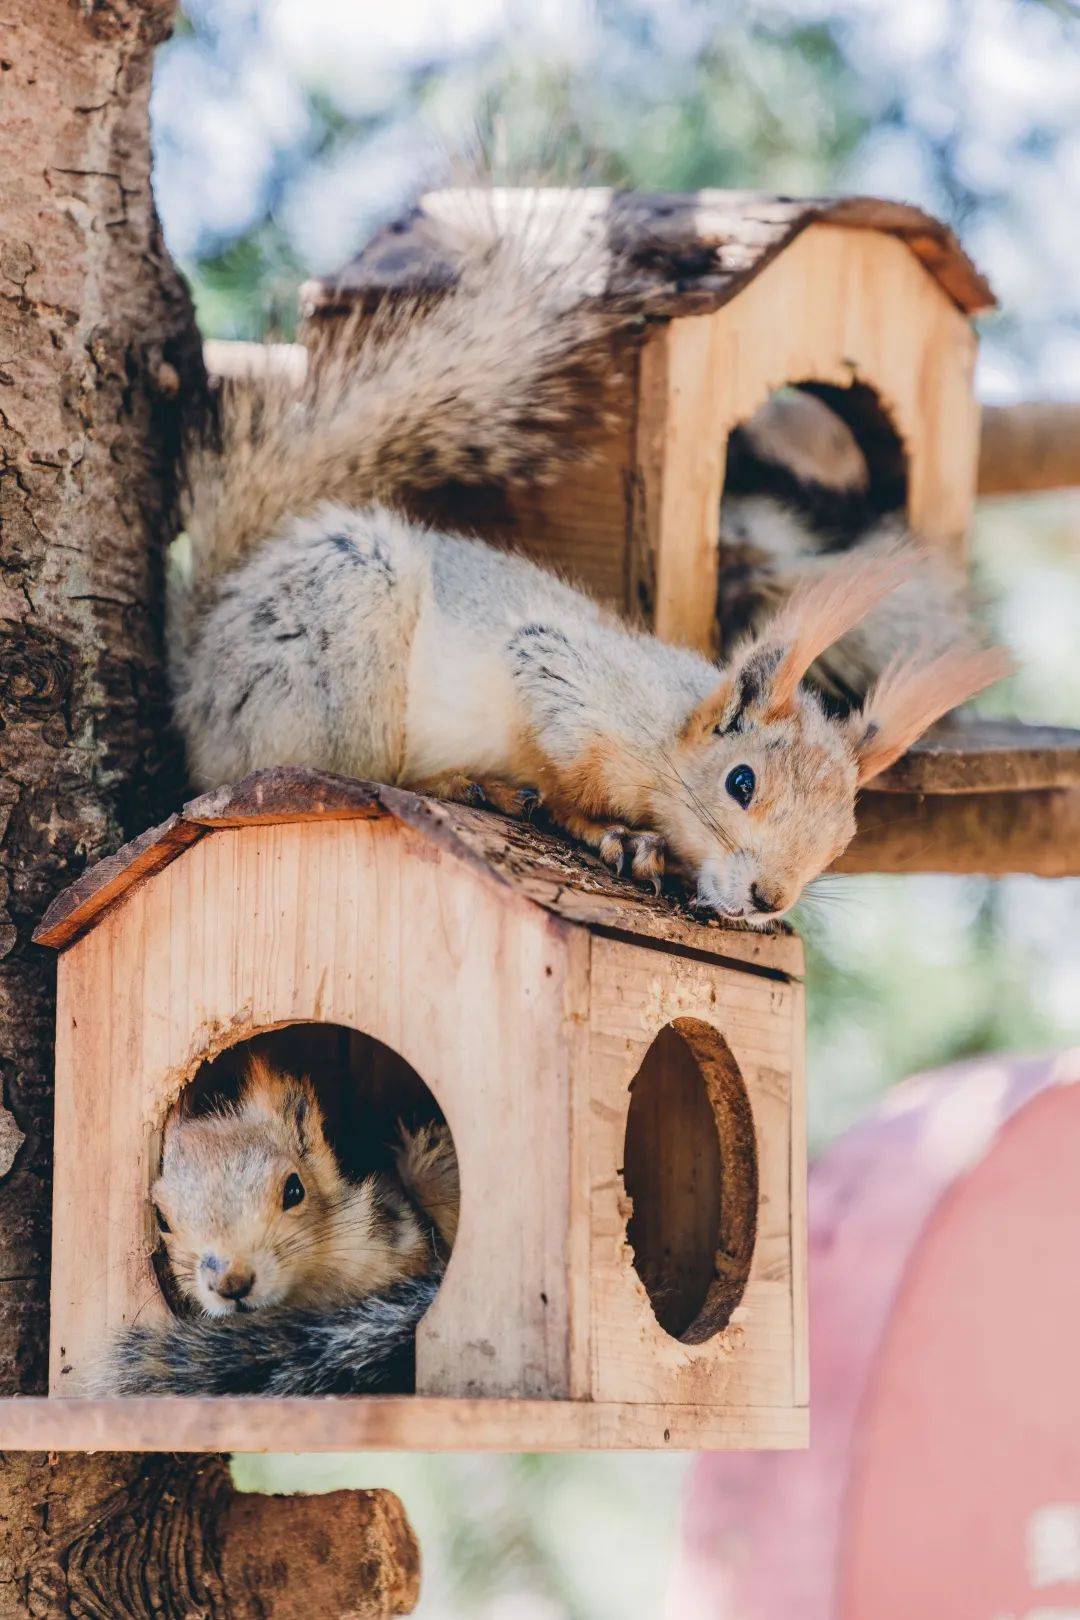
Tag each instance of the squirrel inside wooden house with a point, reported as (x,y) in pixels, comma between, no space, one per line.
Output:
(313,622)
(296,1279)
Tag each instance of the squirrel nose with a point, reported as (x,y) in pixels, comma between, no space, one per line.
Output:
(235,1284)
(761,900)
(229,1281)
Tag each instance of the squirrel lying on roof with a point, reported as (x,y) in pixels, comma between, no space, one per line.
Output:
(315,623)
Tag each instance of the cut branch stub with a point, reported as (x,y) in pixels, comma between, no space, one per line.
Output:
(176,1541)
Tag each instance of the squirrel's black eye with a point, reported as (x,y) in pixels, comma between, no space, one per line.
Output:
(741,783)
(163,1225)
(293,1192)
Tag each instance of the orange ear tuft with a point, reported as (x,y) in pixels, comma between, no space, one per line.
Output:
(264,1088)
(711,712)
(826,608)
(913,693)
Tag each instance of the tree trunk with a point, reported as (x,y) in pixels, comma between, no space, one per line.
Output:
(97,347)
(95,333)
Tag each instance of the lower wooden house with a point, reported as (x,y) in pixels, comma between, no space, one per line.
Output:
(624,1086)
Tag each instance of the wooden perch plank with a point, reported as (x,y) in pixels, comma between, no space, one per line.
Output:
(386,1423)
(988,833)
(987,756)
(1031,446)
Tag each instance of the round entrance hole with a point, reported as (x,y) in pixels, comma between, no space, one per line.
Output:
(832,452)
(366,1091)
(812,472)
(690,1169)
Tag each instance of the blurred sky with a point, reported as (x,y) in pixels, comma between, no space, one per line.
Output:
(325,115)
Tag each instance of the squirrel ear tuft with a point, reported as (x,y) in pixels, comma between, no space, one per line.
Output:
(712,713)
(821,611)
(306,1113)
(267,1090)
(747,690)
(914,692)
(262,1087)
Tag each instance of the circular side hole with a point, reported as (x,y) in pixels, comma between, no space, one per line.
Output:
(690,1169)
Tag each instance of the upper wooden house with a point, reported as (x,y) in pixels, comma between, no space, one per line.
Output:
(865,303)
(739,295)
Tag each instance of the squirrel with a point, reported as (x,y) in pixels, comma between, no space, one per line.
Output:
(266,1238)
(311,621)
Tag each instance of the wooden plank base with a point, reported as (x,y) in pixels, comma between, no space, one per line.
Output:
(965,754)
(388,1423)
(992,834)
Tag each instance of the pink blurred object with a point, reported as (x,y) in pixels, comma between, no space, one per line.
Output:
(943,1476)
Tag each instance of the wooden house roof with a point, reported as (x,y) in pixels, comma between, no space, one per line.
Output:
(667,253)
(959,767)
(543,868)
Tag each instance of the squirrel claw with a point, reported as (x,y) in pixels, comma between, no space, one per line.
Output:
(528,803)
(646,853)
(614,848)
(648,859)
(511,801)
(493,795)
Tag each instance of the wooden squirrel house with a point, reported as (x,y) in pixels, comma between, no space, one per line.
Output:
(737,295)
(865,303)
(623,1084)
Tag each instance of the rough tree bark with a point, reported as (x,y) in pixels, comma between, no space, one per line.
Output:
(97,347)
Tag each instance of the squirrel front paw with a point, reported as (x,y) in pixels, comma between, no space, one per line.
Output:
(488,794)
(646,854)
(512,801)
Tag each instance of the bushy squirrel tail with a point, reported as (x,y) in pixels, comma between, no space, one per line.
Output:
(494,379)
(799,509)
(354,1349)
